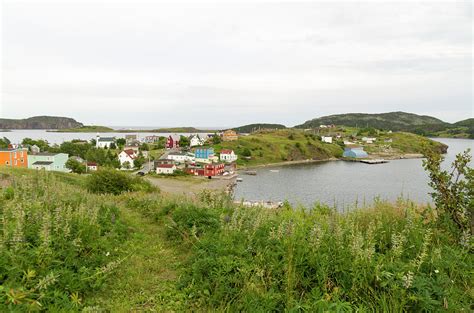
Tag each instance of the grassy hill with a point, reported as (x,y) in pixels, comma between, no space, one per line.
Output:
(395,121)
(246,129)
(87,129)
(65,249)
(40,122)
(265,147)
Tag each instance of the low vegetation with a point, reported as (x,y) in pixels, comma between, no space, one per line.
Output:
(65,247)
(87,129)
(266,147)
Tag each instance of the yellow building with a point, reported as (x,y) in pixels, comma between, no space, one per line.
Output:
(229,135)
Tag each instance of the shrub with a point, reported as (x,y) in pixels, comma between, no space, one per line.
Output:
(453,191)
(115,182)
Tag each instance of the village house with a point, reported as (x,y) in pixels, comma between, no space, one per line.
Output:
(369,139)
(151,139)
(205,155)
(104,142)
(354,152)
(172,141)
(162,161)
(48,161)
(326,139)
(181,157)
(131,139)
(228,156)
(127,157)
(207,170)
(195,140)
(165,169)
(35,149)
(92,166)
(14,157)
(133,146)
(229,135)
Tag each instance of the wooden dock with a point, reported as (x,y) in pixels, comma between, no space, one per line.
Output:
(373,161)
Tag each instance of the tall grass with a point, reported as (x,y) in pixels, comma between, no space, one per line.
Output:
(393,257)
(58,243)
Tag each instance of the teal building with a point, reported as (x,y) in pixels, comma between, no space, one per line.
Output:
(48,161)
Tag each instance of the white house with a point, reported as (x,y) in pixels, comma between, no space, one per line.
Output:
(228,156)
(127,156)
(165,169)
(368,139)
(92,166)
(181,157)
(195,140)
(326,139)
(35,149)
(104,142)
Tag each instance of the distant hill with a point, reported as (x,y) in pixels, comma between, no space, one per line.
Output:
(40,122)
(396,121)
(254,127)
(469,123)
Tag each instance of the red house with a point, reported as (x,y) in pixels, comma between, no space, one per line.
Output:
(172,141)
(208,170)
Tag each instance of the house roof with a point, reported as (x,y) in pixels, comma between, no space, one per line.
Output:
(106,139)
(43,163)
(165,165)
(130,153)
(226,151)
(175,137)
(46,154)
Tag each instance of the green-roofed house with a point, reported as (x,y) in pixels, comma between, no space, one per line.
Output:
(48,161)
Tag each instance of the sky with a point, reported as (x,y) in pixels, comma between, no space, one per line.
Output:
(151,63)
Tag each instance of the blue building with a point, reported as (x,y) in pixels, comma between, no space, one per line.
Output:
(354,152)
(204,153)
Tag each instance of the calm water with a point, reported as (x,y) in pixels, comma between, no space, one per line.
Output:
(16,136)
(344,183)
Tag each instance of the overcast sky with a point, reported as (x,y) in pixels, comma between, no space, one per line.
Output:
(143,63)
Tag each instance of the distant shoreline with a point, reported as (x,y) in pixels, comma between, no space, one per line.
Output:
(406,156)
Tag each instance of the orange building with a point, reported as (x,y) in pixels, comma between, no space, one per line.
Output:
(229,135)
(14,157)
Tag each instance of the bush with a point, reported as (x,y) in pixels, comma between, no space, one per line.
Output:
(454,190)
(116,182)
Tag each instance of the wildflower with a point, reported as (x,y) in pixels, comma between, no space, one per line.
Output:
(407,279)
(436,271)
(107,254)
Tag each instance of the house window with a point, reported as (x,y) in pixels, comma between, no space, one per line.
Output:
(7,163)
(21,160)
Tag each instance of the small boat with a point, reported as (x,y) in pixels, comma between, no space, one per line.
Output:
(274,171)
(250,173)
(239,179)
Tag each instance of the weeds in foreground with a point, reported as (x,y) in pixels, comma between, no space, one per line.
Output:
(58,243)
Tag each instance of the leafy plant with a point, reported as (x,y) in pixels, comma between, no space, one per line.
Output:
(453,190)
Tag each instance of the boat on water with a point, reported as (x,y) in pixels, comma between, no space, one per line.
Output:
(275,171)
(250,173)
(239,179)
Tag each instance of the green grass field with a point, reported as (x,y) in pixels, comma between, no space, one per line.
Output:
(65,249)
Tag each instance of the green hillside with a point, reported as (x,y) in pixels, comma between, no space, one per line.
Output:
(87,129)
(256,127)
(395,121)
(64,248)
(267,147)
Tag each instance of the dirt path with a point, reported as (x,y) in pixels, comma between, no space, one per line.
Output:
(146,280)
(189,185)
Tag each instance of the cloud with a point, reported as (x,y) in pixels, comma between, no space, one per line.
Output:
(147,63)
